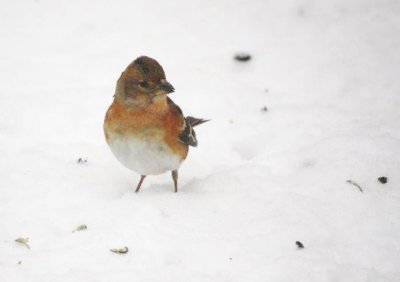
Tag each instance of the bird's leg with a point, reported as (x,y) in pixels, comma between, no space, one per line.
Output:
(140,183)
(175,178)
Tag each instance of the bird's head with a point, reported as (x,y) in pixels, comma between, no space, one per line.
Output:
(142,81)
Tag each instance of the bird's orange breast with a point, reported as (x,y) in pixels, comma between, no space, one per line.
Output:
(155,122)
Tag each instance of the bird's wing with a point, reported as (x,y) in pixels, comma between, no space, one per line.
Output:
(187,135)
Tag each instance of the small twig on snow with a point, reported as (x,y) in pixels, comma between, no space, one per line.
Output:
(355,184)
(23,241)
(123,250)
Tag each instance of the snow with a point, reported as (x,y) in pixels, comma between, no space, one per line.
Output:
(258,181)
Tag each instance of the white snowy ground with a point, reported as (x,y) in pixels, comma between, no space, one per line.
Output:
(328,71)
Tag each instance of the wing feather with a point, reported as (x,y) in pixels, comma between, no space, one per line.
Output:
(187,135)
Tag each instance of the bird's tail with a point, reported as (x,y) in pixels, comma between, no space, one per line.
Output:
(192,121)
(188,136)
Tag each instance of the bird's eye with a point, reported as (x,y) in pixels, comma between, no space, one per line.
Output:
(144,84)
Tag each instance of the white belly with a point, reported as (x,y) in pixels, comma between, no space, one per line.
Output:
(146,157)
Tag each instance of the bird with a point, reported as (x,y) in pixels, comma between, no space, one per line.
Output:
(145,130)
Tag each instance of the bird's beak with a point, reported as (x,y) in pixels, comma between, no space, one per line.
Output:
(166,87)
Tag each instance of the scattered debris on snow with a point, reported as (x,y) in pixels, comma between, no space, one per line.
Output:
(382,179)
(23,241)
(355,184)
(123,250)
(82,161)
(80,227)
(242,57)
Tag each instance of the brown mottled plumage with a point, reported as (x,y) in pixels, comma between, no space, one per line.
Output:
(145,129)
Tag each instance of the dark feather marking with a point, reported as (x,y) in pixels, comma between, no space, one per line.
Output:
(195,121)
(187,136)
(150,69)
(175,106)
(142,64)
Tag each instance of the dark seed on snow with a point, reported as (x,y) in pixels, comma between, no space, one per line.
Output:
(242,57)
(382,179)
(299,245)
(82,161)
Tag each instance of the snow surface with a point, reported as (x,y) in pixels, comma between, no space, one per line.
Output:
(328,72)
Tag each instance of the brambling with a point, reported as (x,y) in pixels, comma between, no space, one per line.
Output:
(146,131)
